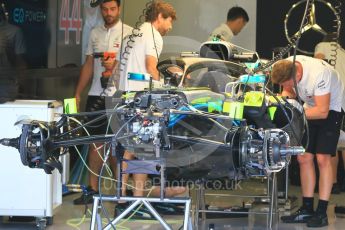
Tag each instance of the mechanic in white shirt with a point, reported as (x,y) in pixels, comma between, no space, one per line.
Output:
(142,58)
(320,88)
(237,18)
(334,54)
(327,49)
(103,38)
(146,47)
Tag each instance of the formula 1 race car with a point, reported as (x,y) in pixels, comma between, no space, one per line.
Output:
(195,144)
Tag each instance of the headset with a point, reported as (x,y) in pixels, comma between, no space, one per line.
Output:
(95,3)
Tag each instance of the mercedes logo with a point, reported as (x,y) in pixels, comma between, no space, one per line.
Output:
(311,24)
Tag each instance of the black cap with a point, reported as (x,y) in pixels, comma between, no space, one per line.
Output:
(95,3)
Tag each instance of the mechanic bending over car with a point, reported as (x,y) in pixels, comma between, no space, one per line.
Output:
(320,88)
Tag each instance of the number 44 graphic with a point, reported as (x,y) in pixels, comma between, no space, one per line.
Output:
(72,22)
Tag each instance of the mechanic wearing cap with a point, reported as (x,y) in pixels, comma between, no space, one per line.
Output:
(320,88)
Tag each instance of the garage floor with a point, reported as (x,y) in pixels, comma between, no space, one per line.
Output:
(70,216)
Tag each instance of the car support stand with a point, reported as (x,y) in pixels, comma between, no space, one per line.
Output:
(152,164)
(200,206)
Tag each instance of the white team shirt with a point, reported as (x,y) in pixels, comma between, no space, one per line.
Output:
(320,78)
(224,31)
(104,40)
(149,43)
(326,48)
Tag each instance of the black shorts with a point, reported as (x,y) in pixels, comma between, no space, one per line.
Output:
(343,124)
(324,134)
(96,103)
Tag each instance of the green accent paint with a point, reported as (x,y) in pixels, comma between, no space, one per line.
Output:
(215,106)
(236,110)
(70,105)
(272,111)
(202,100)
(254,99)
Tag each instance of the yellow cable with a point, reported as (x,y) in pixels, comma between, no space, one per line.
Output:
(94,145)
(103,177)
(80,221)
(125,220)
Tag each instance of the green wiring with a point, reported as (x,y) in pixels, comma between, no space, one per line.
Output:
(94,145)
(103,177)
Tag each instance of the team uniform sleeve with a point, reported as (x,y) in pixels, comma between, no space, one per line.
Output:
(118,55)
(323,84)
(213,34)
(222,32)
(124,43)
(321,48)
(127,31)
(153,46)
(89,50)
